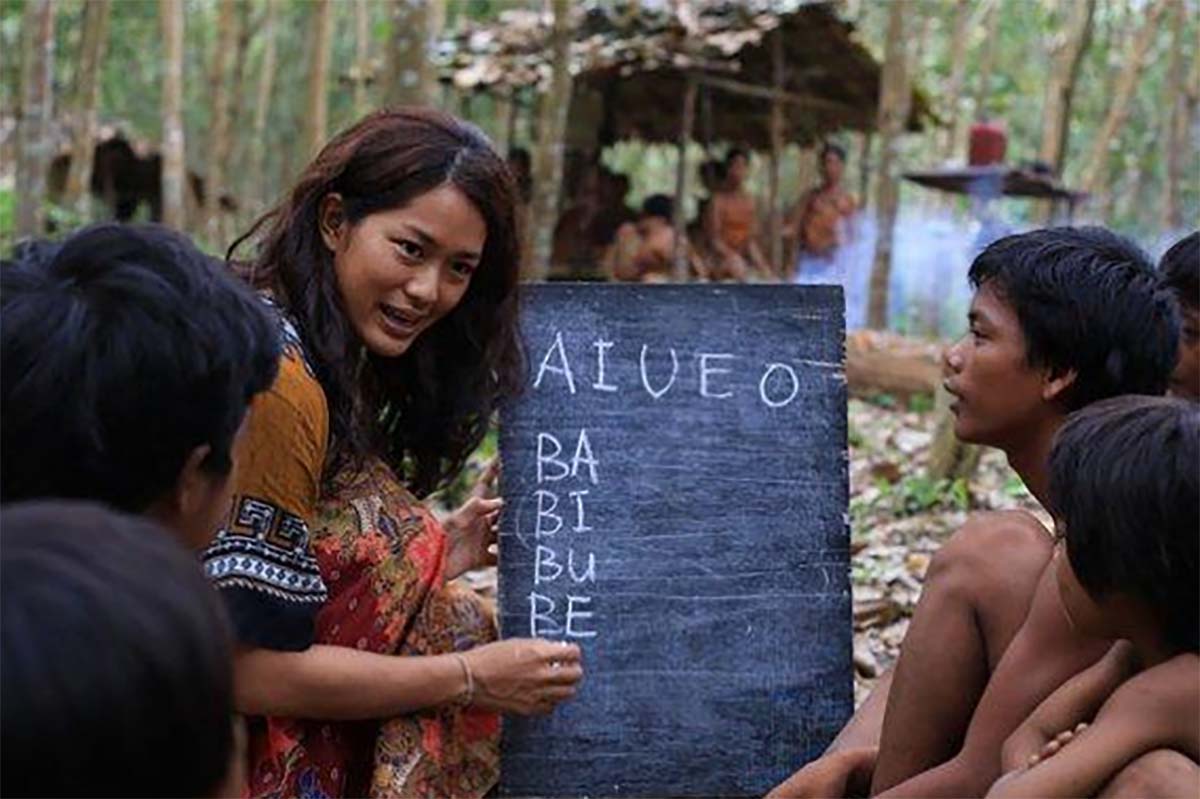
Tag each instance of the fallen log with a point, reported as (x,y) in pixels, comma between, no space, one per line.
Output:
(889,363)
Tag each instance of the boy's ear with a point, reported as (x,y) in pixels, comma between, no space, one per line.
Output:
(187,496)
(1056,383)
(331,220)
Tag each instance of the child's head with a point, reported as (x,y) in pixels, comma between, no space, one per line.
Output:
(1125,489)
(117,678)
(129,360)
(1179,271)
(1061,317)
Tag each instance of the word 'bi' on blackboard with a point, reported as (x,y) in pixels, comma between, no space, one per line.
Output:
(675,478)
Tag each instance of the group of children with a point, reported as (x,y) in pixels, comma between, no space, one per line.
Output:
(1034,666)
(1066,665)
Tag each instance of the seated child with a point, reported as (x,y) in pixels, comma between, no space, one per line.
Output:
(1179,271)
(117,675)
(129,360)
(1125,490)
(1061,318)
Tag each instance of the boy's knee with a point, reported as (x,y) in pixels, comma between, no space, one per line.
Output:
(1159,774)
(989,551)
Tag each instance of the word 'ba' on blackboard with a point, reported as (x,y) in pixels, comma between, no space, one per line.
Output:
(675,477)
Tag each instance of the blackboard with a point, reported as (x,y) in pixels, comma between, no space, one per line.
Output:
(675,477)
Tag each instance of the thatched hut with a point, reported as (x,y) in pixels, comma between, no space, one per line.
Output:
(753,73)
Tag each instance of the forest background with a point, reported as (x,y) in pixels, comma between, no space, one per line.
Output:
(262,81)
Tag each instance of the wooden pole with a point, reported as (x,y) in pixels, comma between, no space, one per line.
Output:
(775,220)
(681,176)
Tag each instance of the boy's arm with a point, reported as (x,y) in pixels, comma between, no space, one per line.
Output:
(1045,653)
(1142,715)
(1076,701)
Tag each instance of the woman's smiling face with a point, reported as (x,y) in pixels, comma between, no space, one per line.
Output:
(401,270)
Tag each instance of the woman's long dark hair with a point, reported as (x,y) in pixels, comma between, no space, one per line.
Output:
(424,412)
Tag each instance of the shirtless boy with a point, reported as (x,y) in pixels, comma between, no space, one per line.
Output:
(1060,318)
(1179,271)
(1125,493)
(731,224)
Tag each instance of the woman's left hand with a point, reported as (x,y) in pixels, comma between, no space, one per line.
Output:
(472,528)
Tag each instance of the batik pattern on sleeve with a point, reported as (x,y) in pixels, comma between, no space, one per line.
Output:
(261,561)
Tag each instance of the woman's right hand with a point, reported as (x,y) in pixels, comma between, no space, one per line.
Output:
(524,676)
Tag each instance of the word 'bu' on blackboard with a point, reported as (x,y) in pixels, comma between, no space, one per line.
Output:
(675,476)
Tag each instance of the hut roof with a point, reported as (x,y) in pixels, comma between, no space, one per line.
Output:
(638,57)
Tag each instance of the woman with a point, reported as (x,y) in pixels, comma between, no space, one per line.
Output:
(393,263)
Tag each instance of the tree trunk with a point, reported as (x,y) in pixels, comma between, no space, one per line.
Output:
(894,96)
(687,122)
(83,106)
(864,166)
(548,153)
(266,76)
(983,89)
(954,86)
(218,142)
(1174,123)
(775,218)
(1095,174)
(236,151)
(362,55)
(318,97)
(174,169)
(37,111)
(1066,56)
(411,74)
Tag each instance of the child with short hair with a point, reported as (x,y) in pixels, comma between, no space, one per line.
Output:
(117,675)
(1179,271)
(1125,490)
(130,360)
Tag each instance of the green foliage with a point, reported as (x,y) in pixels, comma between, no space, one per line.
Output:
(456,493)
(911,496)
(882,399)
(8,220)
(920,403)
(854,436)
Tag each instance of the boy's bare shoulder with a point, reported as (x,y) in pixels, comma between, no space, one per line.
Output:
(1015,521)
(1009,532)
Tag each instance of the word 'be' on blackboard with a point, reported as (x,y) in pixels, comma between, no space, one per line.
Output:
(675,478)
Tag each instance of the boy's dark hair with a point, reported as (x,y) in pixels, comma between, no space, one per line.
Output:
(836,149)
(659,205)
(734,152)
(1124,482)
(1087,300)
(123,349)
(117,677)
(1179,270)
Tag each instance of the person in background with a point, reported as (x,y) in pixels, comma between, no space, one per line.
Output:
(650,257)
(731,225)
(823,221)
(393,267)
(130,359)
(1179,271)
(117,670)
